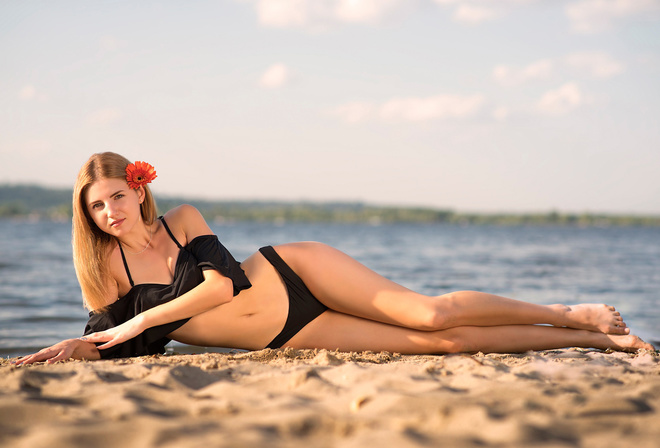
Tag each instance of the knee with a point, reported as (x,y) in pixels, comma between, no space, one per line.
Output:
(441,312)
(431,317)
(450,309)
(454,340)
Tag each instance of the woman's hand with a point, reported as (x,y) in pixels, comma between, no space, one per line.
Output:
(118,334)
(70,348)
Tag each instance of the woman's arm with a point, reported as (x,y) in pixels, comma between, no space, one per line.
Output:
(187,223)
(70,348)
(212,292)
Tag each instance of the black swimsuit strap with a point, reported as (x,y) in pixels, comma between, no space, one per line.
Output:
(123,257)
(169,232)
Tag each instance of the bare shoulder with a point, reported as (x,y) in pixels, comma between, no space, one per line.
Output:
(187,222)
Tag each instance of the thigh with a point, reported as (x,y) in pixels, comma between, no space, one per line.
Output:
(347,286)
(338,331)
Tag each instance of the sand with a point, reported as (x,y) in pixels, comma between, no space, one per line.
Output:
(310,398)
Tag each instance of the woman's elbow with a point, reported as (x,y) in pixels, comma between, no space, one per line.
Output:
(223,289)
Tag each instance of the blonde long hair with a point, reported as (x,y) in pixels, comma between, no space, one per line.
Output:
(91,245)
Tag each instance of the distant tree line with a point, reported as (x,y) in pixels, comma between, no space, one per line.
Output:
(50,203)
(35,201)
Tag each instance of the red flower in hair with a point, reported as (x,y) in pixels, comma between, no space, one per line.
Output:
(139,174)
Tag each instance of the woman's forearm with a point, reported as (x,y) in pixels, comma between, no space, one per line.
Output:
(212,292)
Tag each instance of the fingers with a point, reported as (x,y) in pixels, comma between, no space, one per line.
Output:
(112,336)
(62,355)
(108,344)
(102,336)
(22,361)
(35,357)
(58,352)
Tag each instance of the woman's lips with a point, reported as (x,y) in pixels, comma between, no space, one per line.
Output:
(116,223)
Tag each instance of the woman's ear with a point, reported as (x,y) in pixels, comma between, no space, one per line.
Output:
(141,194)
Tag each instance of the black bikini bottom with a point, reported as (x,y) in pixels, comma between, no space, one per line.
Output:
(303,306)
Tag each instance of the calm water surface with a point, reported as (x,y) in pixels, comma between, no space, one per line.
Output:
(40,300)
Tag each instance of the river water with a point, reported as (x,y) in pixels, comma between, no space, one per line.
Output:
(40,300)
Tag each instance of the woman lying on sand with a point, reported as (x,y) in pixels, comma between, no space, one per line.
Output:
(147,280)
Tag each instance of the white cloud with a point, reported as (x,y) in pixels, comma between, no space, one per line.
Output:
(496,3)
(434,107)
(475,12)
(283,13)
(585,16)
(512,76)
(412,109)
(321,14)
(474,15)
(562,100)
(365,10)
(104,117)
(277,75)
(588,64)
(28,92)
(592,16)
(597,64)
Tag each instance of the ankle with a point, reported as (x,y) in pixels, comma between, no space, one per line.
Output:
(560,313)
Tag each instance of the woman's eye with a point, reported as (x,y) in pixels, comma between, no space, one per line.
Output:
(96,206)
(119,196)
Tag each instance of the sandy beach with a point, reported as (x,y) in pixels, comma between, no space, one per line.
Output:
(558,398)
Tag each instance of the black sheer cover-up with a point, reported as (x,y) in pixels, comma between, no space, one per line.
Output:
(202,253)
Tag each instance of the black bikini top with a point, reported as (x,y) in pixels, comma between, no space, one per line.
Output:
(202,253)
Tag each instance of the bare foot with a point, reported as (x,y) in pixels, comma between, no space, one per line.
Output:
(625,343)
(593,317)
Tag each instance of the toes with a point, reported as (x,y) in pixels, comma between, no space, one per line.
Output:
(620,329)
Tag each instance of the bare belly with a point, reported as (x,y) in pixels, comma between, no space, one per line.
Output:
(250,321)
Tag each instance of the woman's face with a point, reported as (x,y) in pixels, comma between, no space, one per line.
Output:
(114,207)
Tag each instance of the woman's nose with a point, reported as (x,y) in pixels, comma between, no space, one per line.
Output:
(111,210)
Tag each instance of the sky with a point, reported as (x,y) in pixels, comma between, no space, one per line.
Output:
(474,105)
